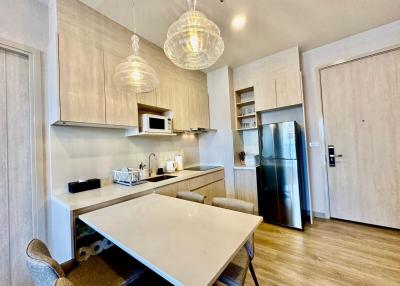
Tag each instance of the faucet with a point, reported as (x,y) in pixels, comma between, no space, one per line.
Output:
(151,154)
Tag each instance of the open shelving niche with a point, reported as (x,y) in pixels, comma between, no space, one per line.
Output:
(246,122)
(142,109)
(246,117)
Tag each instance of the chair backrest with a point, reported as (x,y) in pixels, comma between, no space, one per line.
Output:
(191,196)
(234,204)
(44,269)
(63,282)
(240,206)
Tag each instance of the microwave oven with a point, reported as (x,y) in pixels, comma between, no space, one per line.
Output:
(151,123)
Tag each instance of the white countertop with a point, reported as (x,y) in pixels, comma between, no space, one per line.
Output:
(116,192)
(186,243)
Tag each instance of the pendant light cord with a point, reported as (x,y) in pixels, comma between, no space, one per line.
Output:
(192,5)
(134,16)
(135,38)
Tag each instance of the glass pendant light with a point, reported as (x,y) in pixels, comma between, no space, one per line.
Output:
(135,74)
(193,41)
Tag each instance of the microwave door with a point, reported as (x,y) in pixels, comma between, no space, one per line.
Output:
(157,124)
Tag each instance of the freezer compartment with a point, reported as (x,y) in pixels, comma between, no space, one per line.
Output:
(279,193)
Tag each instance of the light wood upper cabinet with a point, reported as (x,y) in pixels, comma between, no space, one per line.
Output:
(180,96)
(165,93)
(265,93)
(198,107)
(81,81)
(148,98)
(121,107)
(87,49)
(288,88)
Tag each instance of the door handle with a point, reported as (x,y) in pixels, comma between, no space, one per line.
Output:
(332,157)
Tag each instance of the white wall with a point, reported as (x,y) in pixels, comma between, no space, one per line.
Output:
(216,148)
(372,40)
(24,22)
(87,152)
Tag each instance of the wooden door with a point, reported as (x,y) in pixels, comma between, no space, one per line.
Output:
(361,103)
(81,81)
(16,199)
(288,89)
(265,93)
(121,106)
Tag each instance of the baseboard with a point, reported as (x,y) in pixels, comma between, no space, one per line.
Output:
(320,215)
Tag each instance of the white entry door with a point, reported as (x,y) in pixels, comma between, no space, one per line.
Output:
(361,106)
(16,216)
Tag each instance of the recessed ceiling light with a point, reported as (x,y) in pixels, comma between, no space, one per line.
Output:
(239,21)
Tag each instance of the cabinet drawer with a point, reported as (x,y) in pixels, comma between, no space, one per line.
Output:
(201,181)
(172,189)
(216,189)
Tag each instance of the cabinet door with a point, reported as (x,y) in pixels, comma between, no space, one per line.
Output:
(265,93)
(81,81)
(198,107)
(165,93)
(173,189)
(121,107)
(205,191)
(246,186)
(216,189)
(219,189)
(180,102)
(288,89)
(148,98)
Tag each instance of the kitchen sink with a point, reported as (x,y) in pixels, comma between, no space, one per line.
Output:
(159,178)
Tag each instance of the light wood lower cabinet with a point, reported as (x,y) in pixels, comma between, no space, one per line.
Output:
(81,81)
(246,186)
(121,108)
(200,181)
(216,189)
(210,185)
(173,189)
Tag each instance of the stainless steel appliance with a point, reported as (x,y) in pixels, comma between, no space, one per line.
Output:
(281,184)
(151,123)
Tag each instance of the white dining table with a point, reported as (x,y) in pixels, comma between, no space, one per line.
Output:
(184,242)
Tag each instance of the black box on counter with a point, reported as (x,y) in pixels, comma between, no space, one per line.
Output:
(81,186)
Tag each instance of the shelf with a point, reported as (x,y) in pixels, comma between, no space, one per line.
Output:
(133,132)
(243,103)
(245,129)
(246,116)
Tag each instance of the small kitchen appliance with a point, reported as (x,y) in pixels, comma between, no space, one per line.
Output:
(151,123)
(170,166)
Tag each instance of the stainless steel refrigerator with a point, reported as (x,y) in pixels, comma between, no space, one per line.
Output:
(280,181)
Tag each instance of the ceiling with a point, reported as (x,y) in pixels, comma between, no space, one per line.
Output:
(272,25)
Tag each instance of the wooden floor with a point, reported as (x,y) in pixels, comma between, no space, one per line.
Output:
(329,252)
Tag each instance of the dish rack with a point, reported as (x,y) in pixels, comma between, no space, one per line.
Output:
(127,177)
